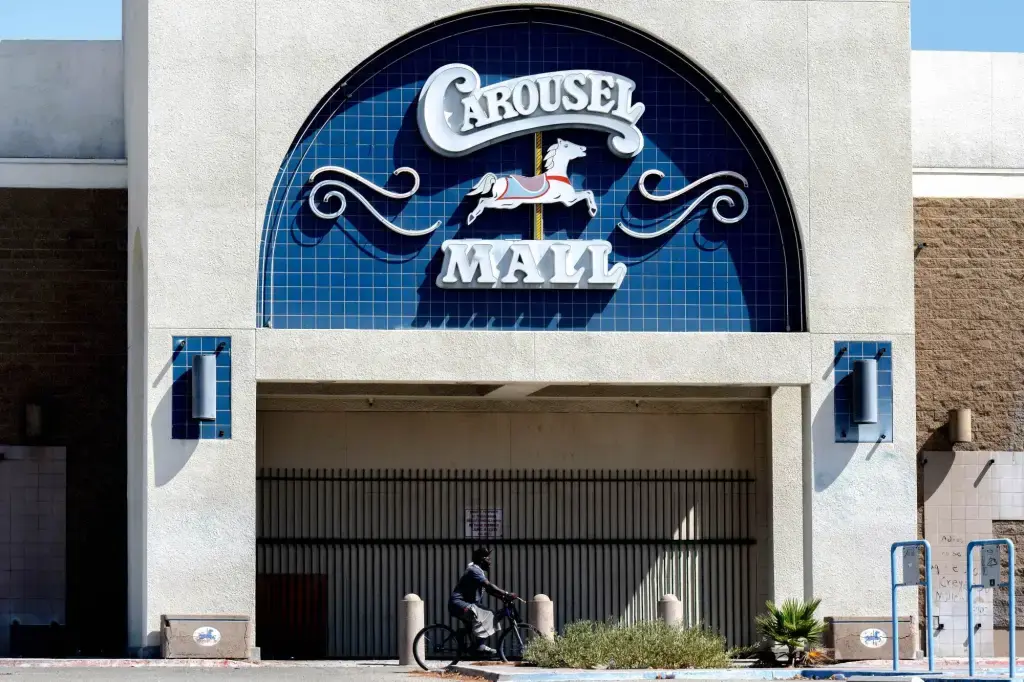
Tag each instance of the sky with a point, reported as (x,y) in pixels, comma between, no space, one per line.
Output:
(979,25)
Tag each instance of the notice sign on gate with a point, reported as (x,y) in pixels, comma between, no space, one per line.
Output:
(990,565)
(484,523)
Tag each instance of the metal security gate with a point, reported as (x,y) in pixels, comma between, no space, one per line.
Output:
(337,550)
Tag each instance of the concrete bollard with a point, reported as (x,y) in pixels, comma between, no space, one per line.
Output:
(542,615)
(670,610)
(410,622)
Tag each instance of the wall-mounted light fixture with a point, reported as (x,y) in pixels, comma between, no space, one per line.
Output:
(33,420)
(204,387)
(960,426)
(865,391)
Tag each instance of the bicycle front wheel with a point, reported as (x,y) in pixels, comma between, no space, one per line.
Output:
(437,647)
(515,640)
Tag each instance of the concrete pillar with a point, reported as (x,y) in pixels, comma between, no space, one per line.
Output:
(670,610)
(787,491)
(410,622)
(200,501)
(542,615)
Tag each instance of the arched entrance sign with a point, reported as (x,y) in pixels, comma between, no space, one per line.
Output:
(530,168)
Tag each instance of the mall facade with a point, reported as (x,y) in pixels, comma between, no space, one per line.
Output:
(305,300)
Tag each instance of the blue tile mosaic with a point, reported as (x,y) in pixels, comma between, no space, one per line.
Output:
(183,426)
(354,273)
(846,431)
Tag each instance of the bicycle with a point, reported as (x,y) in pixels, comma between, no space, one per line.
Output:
(441,646)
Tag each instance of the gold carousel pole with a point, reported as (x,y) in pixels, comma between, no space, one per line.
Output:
(538,168)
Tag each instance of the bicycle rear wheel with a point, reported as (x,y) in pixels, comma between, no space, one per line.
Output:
(437,647)
(515,640)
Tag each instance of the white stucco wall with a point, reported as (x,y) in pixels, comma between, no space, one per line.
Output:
(968,109)
(61,99)
(229,83)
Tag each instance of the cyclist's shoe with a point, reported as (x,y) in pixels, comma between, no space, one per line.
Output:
(484,649)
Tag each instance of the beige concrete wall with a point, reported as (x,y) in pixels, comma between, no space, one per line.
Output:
(506,440)
(591,582)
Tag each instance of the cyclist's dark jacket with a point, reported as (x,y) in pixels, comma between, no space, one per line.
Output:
(469,591)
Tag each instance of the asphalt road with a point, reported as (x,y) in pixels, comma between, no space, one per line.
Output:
(256,674)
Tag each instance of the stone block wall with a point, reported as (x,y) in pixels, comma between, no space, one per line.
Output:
(63,342)
(969,277)
(1013,531)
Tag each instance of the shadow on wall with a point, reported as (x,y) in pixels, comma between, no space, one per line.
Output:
(389,533)
(828,469)
(325,601)
(938,440)
(170,456)
(935,467)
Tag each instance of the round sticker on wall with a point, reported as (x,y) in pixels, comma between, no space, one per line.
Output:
(207,636)
(873,638)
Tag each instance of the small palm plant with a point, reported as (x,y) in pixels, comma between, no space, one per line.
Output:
(792,625)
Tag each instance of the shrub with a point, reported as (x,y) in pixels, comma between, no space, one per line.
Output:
(641,645)
(792,625)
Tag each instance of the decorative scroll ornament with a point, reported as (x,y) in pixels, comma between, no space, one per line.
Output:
(316,198)
(721,192)
(457,116)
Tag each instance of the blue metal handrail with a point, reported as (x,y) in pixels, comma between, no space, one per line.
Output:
(1012,634)
(928,601)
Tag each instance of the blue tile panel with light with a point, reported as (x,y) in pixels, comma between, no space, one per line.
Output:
(846,352)
(183,426)
(353,273)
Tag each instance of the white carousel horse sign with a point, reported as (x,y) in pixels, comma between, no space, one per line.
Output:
(550,187)
(531,264)
(456,116)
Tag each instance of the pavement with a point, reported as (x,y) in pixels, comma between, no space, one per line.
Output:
(947,670)
(11,672)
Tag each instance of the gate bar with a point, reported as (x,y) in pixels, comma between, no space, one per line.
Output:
(1012,631)
(928,601)
(371,535)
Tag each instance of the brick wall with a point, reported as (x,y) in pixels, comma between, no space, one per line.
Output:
(970,320)
(63,270)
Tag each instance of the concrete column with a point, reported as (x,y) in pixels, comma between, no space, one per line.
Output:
(410,622)
(787,491)
(136,103)
(200,500)
(670,610)
(542,615)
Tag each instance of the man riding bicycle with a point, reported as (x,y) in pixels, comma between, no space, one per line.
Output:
(465,602)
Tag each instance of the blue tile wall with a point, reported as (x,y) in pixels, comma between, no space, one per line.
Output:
(183,426)
(353,273)
(846,430)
